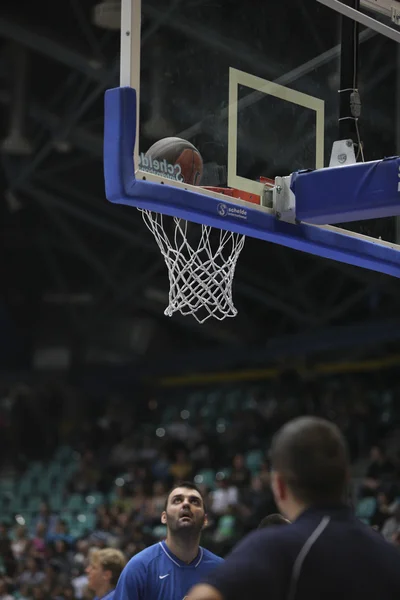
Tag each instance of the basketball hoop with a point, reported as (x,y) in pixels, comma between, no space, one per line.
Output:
(201,263)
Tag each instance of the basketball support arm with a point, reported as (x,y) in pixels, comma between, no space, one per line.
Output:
(341,194)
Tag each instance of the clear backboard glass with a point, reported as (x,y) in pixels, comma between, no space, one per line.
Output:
(255,88)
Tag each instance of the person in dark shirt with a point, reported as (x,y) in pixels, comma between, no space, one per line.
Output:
(326,552)
(240,475)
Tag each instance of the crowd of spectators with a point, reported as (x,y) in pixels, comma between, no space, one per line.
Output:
(132,455)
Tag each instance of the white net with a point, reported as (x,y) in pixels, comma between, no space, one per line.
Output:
(201,264)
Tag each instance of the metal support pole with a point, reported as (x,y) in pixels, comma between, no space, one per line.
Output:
(398,126)
(348,74)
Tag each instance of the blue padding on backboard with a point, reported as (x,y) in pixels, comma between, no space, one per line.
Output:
(122,188)
(349,193)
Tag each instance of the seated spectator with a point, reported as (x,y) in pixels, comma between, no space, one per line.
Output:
(225,530)
(181,469)
(54,579)
(60,533)
(31,574)
(157,502)
(82,552)
(160,467)
(5,590)
(380,468)
(385,508)
(223,497)
(140,501)
(255,502)
(265,474)
(240,476)
(123,453)
(392,526)
(46,517)
(79,581)
(23,592)
(147,451)
(68,592)
(104,570)
(7,557)
(62,556)
(87,477)
(123,501)
(38,593)
(20,544)
(39,540)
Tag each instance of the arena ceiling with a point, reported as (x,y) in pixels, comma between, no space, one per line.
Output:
(80,273)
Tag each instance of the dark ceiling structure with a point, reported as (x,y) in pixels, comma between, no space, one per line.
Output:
(83,278)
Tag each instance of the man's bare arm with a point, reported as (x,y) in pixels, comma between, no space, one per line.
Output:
(204,592)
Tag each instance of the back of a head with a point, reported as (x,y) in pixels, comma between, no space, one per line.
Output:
(311,455)
(274,519)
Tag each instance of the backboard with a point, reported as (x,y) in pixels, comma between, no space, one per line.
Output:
(256,88)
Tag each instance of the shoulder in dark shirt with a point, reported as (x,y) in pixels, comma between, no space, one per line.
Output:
(333,554)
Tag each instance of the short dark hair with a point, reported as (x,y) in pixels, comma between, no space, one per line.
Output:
(311,455)
(274,519)
(189,485)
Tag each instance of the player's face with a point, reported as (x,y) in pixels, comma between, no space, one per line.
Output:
(97,577)
(185,511)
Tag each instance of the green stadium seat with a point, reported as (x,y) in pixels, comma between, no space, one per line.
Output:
(76,531)
(7,518)
(43,487)
(75,502)
(7,486)
(69,469)
(213,397)
(112,496)
(254,460)
(192,403)
(226,472)
(365,509)
(232,400)
(19,504)
(94,500)
(68,518)
(56,502)
(170,413)
(5,498)
(55,469)
(63,453)
(35,470)
(87,520)
(159,531)
(209,412)
(34,503)
(205,477)
(25,487)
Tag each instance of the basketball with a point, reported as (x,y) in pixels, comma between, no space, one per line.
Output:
(177,158)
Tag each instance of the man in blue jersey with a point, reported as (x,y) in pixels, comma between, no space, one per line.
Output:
(105,567)
(326,553)
(167,570)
